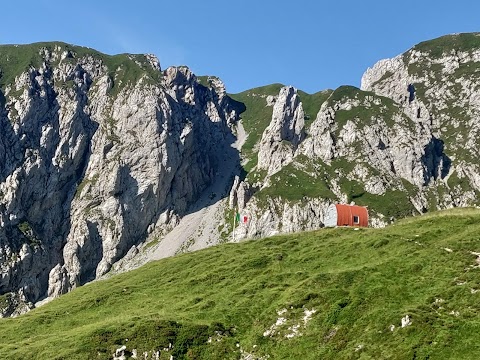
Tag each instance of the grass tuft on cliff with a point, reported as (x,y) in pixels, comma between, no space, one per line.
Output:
(329,294)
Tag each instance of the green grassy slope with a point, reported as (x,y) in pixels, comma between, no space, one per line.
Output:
(256,117)
(358,282)
(365,115)
(304,178)
(441,45)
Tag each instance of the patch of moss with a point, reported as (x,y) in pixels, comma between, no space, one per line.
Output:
(385,76)
(25,228)
(85,182)
(454,181)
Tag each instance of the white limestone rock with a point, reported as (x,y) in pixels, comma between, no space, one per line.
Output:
(285,132)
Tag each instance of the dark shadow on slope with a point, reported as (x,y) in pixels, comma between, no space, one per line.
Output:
(215,163)
(436,163)
(223,158)
(228,166)
(90,253)
(238,106)
(3,101)
(411,91)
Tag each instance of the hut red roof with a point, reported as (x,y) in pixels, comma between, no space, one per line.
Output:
(351,215)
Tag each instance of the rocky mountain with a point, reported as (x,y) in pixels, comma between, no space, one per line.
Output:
(96,153)
(403,144)
(107,162)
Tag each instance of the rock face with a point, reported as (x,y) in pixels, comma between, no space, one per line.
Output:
(95,153)
(436,84)
(384,139)
(278,216)
(284,134)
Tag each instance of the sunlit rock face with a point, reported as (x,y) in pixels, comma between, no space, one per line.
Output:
(96,152)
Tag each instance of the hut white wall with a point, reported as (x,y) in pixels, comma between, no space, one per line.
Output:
(331,216)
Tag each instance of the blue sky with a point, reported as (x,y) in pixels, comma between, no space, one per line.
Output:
(310,44)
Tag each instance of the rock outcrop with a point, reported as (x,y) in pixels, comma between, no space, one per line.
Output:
(278,216)
(437,86)
(385,139)
(285,132)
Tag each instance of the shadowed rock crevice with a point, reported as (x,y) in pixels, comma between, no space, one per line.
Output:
(90,254)
(436,163)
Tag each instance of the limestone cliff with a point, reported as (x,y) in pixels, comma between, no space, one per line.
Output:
(285,132)
(96,151)
(436,84)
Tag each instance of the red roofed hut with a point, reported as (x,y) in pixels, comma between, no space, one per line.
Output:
(346,215)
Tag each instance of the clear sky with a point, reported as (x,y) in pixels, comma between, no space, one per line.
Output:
(310,44)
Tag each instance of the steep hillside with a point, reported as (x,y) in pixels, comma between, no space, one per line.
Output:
(98,154)
(436,82)
(406,291)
